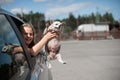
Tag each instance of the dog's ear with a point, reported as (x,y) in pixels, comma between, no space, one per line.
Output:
(46,27)
(63,24)
(51,21)
(47,24)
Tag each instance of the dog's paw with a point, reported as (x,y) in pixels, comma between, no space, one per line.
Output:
(64,63)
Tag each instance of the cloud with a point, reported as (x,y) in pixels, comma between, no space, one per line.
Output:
(39,0)
(57,11)
(19,10)
(48,0)
(5,1)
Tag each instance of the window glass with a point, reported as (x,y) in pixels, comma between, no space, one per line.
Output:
(12,66)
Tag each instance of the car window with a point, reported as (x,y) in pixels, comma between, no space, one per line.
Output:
(12,66)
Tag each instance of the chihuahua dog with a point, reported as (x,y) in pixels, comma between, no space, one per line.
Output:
(52,47)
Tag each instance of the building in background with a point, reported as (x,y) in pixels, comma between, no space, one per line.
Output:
(93,31)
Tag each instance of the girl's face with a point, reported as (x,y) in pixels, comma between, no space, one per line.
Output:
(28,35)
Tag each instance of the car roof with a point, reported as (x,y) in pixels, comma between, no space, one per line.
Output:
(3,11)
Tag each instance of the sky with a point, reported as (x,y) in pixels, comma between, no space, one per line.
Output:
(60,9)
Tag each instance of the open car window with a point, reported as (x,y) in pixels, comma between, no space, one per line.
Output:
(12,66)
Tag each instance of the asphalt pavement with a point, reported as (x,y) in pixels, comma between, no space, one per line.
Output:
(88,60)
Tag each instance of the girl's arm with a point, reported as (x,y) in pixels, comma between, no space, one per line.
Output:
(37,47)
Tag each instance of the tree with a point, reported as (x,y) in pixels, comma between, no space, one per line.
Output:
(107,17)
(72,21)
(37,19)
(92,18)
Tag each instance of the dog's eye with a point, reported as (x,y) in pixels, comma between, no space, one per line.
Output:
(56,24)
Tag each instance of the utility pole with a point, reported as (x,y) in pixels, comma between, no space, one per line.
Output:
(22,16)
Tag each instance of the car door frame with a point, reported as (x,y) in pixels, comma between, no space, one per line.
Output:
(22,42)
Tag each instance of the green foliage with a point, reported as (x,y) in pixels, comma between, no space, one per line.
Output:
(67,29)
(38,20)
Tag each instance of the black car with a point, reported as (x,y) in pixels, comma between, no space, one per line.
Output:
(25,68)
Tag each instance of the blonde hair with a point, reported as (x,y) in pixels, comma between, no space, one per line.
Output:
(30,26)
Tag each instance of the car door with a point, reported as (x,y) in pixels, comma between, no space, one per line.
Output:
(12,68)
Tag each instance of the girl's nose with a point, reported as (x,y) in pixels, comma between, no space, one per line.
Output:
(29,35)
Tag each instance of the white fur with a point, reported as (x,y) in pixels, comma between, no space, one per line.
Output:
(55,26)
(54,44)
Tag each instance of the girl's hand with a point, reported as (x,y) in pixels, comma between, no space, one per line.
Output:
(50,35)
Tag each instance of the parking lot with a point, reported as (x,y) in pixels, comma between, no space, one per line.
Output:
(88,60)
